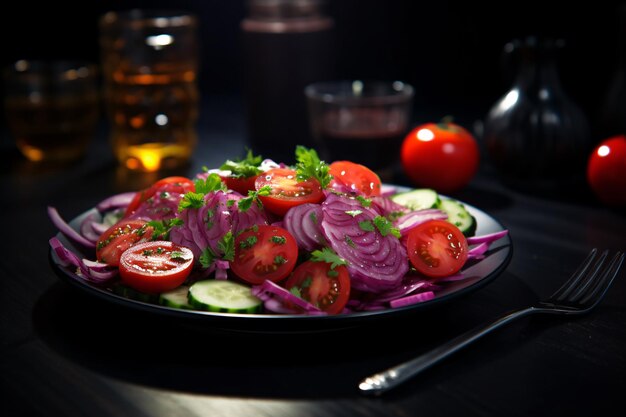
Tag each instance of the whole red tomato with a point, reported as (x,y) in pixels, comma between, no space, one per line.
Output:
(606,171)
(443,156)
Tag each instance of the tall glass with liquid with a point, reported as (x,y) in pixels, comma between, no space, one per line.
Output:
(150,66)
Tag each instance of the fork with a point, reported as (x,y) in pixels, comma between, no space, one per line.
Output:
(579,295)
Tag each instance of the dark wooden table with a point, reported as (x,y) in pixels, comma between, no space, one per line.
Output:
(66,353)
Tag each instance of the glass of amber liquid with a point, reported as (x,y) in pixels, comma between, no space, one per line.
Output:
(51,108)
(150,65)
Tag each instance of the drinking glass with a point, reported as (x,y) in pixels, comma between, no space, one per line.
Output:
(150,68)
(361,121)
(51,108)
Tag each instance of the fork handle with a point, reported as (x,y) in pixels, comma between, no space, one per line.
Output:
(396,375)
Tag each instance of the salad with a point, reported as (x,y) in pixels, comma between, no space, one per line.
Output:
(256,236)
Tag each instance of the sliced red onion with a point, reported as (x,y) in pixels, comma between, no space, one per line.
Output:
(489,238)
(221,266)
(387,206)
(100,228)
(205,226)
(97,275)
(414,218)
(86,227)
(412,299)
(67,230)
(115,201)
(268,164)
(478,252)
(101,277)
(275,306)
(66,257)
(161,206)
(387,190)
(409,285)
(338,187)
(95,265)
(376,263)
(242,220)
(268,290)
(303,222)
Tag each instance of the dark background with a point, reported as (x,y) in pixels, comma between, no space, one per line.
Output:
(450,51)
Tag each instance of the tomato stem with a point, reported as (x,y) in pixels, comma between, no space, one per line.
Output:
(446,123)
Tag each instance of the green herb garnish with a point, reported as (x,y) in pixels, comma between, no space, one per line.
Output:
(245,203)
(329,256)
(279,240)
(162,228)
(385,227)
(244,168)
(367,225)
(309,165)
(365,202)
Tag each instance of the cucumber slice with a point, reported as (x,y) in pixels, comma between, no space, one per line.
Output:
(131,293)
(458,215)
(421,198)
(177,298)
(223,296)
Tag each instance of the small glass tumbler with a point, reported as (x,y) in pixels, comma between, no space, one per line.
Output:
(150,67)
(52,108)
(361,121)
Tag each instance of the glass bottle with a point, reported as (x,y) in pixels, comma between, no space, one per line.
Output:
(536,137)
(287,44)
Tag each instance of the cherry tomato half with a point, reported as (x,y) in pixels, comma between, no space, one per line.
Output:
(437,248)
(175,184)
(442,156)
(606,171)
(287,191)
(326,288)
(264,252)
(155,267)
(240,184)
(355,177)
(120,237)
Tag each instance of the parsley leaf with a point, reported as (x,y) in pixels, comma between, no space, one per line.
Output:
(244,168)
(385,227)
(329,256)
(295,291)
(207,257)
(354,213)
(245,203)
(309,165)
(248,242)
(191,200)
(213,182)
(161,228)
(365,202)
(367,225)
(279,240)
(178,256)
(227,245)
(332,273)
